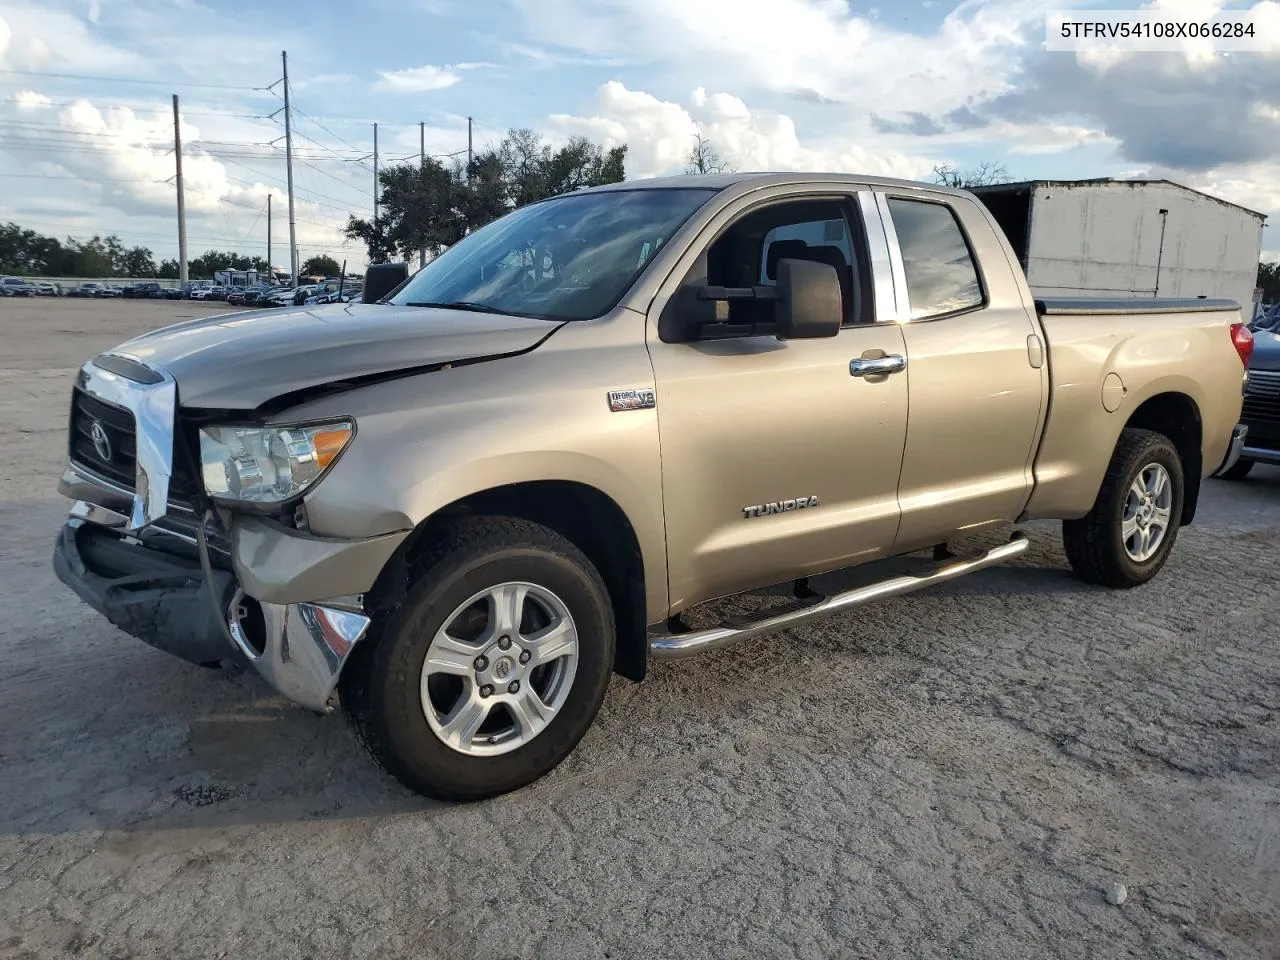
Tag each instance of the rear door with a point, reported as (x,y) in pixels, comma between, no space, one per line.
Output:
(976,371)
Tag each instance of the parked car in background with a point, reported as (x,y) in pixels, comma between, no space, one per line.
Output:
(255,295)
(146,290)
(89,289)
(1267,319)
(16,287)
(1261,413)
(304,293)
(45,288)
(212,292)
(280,298)
(172,293)
(192,287)
(345,295)
(111,290)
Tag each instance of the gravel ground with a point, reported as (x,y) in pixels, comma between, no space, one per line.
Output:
(963,773)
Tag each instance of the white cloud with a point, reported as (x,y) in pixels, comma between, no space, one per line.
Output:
(418,79)
(124,163)
(660,133)
(808,47)
(41,37)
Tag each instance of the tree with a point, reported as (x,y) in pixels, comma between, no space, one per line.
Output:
(204,266)
(27,252)
(321,266)
(703,157)
(428,206)
(168,270)
(985,173)
(137,262)
(1269,281)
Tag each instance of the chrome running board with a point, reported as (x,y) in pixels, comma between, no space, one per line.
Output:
(677,646)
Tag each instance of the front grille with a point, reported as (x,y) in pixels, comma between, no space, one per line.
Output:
(114,456)
(1262,398)
(120,468)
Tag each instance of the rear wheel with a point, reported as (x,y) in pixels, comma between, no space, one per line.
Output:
(492,669)
(1127,536)
(1239,470)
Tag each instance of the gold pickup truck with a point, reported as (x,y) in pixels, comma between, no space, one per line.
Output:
(458,507)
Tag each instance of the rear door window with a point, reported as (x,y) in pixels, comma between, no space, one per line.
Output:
(941,276)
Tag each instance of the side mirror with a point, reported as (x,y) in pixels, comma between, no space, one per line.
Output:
(810,304)
(381,278)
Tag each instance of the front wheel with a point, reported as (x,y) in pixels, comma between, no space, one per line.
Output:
(1127,536)
(493,667)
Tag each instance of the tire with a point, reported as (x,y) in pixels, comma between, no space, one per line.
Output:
(1095,544)
(1239,470)
(386,695)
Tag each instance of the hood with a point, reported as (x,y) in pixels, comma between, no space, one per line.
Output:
(1266,351)
(242,360)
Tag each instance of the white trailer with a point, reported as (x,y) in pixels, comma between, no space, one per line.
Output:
(236,278)
(1139,238)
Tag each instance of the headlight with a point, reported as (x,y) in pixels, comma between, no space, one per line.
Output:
(268,464)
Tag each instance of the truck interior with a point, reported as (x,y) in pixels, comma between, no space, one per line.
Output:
(1010,204)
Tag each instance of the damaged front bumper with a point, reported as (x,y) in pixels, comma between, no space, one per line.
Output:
(160,595)
(284,600)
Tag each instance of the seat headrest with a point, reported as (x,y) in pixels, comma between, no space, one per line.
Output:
(784,250)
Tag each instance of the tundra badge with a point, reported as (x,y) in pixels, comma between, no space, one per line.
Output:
(779,506)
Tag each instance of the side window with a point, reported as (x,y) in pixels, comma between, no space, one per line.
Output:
(811,234)
(748,251)
(941,276)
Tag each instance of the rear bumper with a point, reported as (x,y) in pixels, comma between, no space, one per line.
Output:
(1234,449)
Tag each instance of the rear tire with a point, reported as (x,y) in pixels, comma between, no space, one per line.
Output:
(417,716)
(1239,470)
(1107,545)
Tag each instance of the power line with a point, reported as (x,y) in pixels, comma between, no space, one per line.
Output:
(327,130)
(55,176)
(338,204)
(161,83)
(147,235)
(131,106)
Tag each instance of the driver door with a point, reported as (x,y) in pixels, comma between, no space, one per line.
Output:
(777,461)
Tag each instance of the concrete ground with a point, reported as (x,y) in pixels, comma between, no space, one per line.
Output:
(956,774)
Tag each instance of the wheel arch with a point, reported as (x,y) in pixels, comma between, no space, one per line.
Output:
(585,515)
(1176,415)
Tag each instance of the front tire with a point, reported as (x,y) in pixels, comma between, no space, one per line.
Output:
(1126,538)
(494,666)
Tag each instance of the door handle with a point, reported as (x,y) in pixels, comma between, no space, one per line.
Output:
(877,366)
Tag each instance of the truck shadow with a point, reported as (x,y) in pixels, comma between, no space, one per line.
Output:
(100,733)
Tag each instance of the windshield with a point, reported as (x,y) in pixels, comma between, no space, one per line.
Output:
(571,258)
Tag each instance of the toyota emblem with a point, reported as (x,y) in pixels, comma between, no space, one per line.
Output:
(101,442)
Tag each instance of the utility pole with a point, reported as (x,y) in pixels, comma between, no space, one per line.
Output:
(470,156)
(182,203)
(375,176)
(288,160)
(422,166)
(271,277)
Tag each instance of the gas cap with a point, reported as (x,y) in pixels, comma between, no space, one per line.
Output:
(1113,392)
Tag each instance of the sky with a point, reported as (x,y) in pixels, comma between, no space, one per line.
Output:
(86,124)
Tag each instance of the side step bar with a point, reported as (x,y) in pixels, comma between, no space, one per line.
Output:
(681,645)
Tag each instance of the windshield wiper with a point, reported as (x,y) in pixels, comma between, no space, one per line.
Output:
(456,305)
